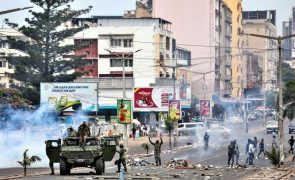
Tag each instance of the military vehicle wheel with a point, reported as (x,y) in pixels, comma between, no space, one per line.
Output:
(63,167)
(99,167)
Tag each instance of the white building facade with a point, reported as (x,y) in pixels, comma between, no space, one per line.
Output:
(149,52)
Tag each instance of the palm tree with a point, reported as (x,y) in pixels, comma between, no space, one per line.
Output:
(289,99)
(146,147)
(28,160)
(273,156)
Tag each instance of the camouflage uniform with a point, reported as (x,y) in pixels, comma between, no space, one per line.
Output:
(83,132)
(157,151)
(122,158)
(72,132)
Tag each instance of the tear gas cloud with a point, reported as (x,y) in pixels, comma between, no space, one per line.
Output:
(27,129)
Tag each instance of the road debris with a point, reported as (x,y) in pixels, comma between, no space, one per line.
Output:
(138,162)
(179,163)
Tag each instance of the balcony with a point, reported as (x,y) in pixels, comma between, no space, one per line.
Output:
(109,82)
(227,78)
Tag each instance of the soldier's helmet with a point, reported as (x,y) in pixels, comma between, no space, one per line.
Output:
(157,141)
(121,145)
(70,128)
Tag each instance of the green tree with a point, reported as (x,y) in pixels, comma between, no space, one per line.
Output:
(169,126)
(27,161)
(288,72)
(12,97)
(45,62)
(289,99)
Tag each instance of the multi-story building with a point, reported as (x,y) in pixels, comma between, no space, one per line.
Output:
(198,25)
(6,52)
(149,51)
(223,51)
(252,65)
(236,53)
(287,43)
(264,23)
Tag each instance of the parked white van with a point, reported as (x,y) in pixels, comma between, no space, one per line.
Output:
(191,128)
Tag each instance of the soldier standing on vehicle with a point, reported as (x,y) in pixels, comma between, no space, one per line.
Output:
(157,150)
(72,132)
(122,158)
(291,142)
(83,132)
(206,140)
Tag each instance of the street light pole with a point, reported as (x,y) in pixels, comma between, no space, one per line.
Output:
(124,85)
(280,86)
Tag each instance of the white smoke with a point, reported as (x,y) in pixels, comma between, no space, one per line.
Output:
(26,129)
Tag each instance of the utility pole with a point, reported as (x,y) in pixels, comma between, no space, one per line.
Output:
(124,85)
(280,86)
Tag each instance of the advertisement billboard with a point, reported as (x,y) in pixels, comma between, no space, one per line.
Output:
(204,107)
(124,111)
(174,110)
(182,83)
(152,98)
(69,96)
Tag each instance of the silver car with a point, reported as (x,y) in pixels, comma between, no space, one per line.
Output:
(219,131)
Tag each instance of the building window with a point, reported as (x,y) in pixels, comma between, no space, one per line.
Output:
(84,42)
(88,62)
(118,63)
(128,42)
(3,64)
(167,43)
(122,42)
(116,42)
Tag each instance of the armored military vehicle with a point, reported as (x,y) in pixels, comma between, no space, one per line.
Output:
(93,155)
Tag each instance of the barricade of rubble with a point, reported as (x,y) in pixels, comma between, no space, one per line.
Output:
(179,163)
(138,162)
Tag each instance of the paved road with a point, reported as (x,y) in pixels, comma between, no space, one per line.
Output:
(216,155)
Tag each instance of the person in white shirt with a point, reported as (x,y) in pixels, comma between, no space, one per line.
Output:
(251,153)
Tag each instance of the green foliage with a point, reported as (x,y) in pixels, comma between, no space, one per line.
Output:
(288,73)
(45,62)
(13,97)
(289,98)
(273,156)
(169,124)
(27,161)
(146,147)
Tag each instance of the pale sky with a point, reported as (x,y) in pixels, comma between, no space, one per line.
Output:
(117,7)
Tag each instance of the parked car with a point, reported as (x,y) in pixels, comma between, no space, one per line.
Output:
(291,127)
(190,128)
(213,122)
(252,117)
(235,120)
(219,131)
(271,126)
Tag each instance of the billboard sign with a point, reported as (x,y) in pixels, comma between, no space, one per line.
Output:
(152,98)
(204,107)
(124,111)
(174,110)
(69,96)
(182,83)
